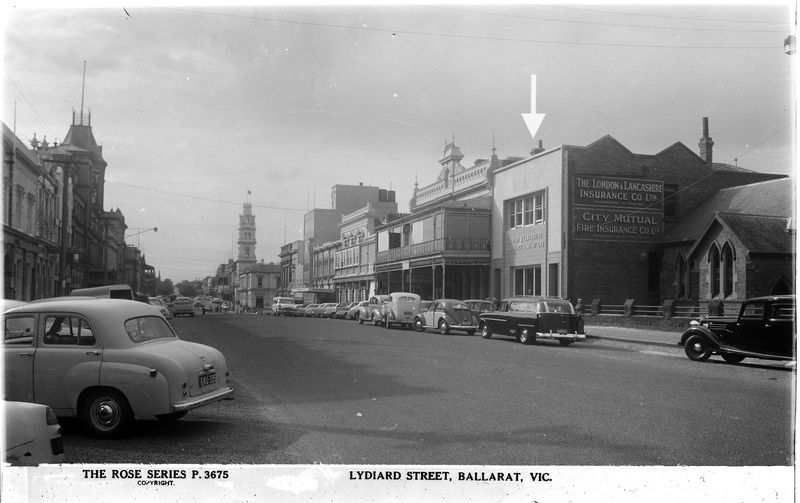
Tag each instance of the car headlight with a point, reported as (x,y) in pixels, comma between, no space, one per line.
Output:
(694,323)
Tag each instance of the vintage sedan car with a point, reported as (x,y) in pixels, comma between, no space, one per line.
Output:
(33,435)
(106,361)
(329,309)
(532,318)
(373,310)
(313,310)
(401,309)
(764,328)
(352,313)
(478,306)
(445,315)
(183,305)
(158,304)
(343,308)
(299,310)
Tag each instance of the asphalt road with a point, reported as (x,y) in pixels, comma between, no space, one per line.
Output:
(336,392)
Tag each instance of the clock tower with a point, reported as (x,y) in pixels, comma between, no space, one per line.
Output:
(247,238)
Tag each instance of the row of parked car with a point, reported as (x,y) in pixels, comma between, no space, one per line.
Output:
(525,318)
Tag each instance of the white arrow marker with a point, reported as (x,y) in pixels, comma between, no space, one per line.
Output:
(533,120)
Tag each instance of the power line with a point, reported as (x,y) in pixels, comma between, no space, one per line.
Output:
(661,16)
(16,90)
(470,37)
(205,198)
(535,18)
(763,141)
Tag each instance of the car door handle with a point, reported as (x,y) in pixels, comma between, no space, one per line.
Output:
(98,353)
(26,354)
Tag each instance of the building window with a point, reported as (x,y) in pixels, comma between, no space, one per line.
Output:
(713,269)
(727,269)
(528,280)
(527,210)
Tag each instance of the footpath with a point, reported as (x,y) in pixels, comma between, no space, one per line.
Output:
(636,335)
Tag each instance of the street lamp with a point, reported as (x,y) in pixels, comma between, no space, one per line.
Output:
(154,229)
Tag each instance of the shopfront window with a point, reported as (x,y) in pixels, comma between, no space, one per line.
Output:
(528,280)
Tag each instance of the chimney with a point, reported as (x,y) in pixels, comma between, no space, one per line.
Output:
(706,143)
(538,149)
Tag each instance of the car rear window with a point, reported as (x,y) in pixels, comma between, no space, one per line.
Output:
(148,328)
(556,307)
(527,307)
(183,301)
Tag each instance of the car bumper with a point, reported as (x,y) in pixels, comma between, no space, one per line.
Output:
(463,327)
(551,335)
(214,396)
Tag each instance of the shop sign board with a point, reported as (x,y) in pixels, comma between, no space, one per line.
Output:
(618,209)
(618,192)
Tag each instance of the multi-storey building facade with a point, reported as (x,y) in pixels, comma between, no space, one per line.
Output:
(258,285)
(441,249)
(291,258)
(354,278)
(321,226)
(32,220)
(57,236)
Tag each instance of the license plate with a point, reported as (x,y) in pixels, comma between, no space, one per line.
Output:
(562,330)
(208,379)
(409,313)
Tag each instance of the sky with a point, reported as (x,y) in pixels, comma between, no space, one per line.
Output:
(201,107)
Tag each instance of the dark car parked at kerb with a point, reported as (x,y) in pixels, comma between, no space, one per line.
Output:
(764,328)
(532,318)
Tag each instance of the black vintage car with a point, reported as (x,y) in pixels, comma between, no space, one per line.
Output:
(765,328)
(532,318)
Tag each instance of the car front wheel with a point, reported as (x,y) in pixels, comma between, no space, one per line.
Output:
(525,337)
(418,325)
(696,349)
(107,414)
(485,332)
(444,327)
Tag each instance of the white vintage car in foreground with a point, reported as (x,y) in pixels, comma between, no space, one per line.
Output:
(32,434)
(106,361)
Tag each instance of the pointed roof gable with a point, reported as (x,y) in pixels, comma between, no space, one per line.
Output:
(607,142)
(759,234)
(771,198)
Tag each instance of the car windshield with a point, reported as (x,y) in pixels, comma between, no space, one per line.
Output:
(148,328)
(459,305)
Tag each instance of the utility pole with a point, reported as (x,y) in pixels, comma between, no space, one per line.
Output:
(66,219)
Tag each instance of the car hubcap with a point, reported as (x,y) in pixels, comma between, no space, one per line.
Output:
(697,347)
(106,413)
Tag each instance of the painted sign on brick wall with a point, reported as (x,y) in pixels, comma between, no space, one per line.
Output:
(608,208)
